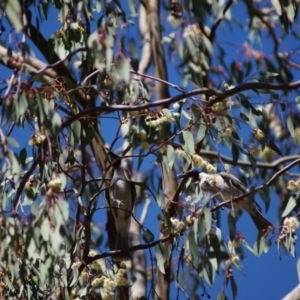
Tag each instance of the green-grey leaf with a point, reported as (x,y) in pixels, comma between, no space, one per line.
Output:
(75,130)
(290,206)
(222,296)
(170,155)
(207,219)
(45,229)
(290,126)
(298,268)
(23,156)
(193,246)
(201,133)
(234,288)
(259,245)
(160,257)
(189,145)
(61,211)
(235,153)
(123,67)
(13,12)
(148,236)
(56,123)
(12,142)
(273,146)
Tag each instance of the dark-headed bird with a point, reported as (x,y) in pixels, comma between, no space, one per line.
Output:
(226,187)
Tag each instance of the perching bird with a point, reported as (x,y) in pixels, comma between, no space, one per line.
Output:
(120,197)
(225,187)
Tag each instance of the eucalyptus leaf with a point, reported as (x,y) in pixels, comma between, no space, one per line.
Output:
(235,153)
(193,246)
(273,146)
(14,13)
(12,142)
(201,133)
(170,155)
(291,204)
(23,156)
(159,254)
(189,145)
(148,236)
(298,269)
(75,131)
(259,245)
(290,126)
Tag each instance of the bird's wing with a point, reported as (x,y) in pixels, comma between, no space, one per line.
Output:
(233,181)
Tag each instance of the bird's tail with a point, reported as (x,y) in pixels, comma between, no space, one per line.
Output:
(261,223)
(122,244)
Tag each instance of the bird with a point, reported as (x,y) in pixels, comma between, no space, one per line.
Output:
(225,187)
(120,196)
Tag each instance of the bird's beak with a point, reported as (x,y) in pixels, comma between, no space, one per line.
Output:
(191,173)
(181,175)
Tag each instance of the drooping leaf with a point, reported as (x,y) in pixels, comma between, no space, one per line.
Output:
(201,133)
(259,245)
(207,219)
(14,14)
(234,288)
(75,131)
(273,146)
(23,156)
(189,145)
(298,268)
(193,246)
(159,254)
(123,68)
(12,142)
(170,155)
(292,202)
(235,153)
(290,125)
(148,236)
(222,296)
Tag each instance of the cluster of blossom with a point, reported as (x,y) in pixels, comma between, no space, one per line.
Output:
(227,132)
(293,185)
(194,32)
(177,224)
(96,264)
(39,136)
(197,160)
(258,134)
(121,278)
(201,163)
(222,106)
(31,187)
(106,283)
(232,260)
(275,122)
(190,218)
(290,225)
(180,153)
(54,185)
(157,118)
(103,281)
(267,154)
(174,21)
